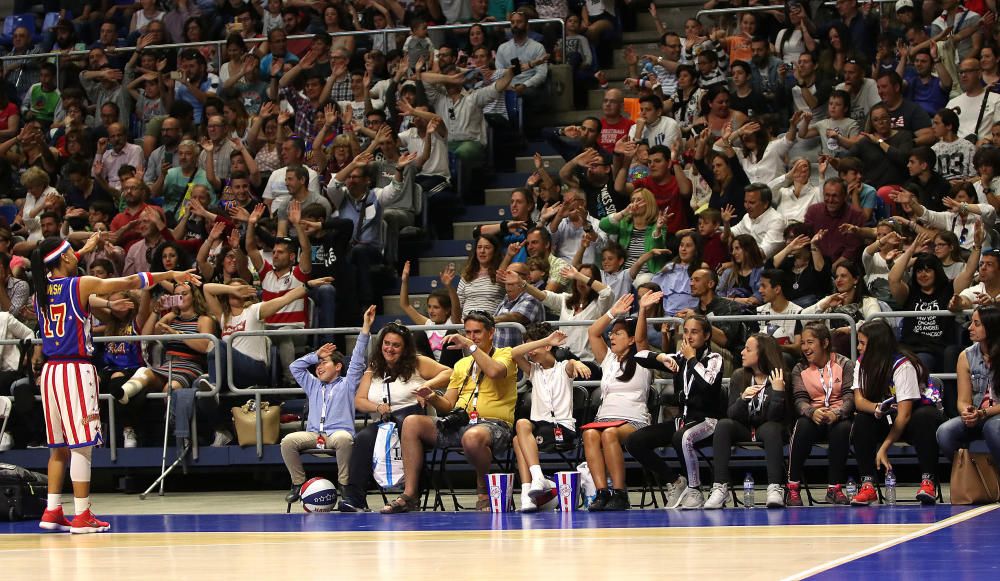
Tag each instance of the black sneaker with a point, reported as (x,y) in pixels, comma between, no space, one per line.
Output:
(350,506)
(293,494)
(602,500)
(619,501)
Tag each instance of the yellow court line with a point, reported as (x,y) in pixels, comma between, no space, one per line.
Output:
(952,520)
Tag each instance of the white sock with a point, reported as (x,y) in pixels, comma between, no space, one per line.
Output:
(536,472)
(54,502)
(81,505)
(525,487)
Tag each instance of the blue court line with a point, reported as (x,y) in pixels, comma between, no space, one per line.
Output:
(967,550)
(472,521)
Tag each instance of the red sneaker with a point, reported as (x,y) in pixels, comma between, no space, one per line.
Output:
(927,493)
(54,520)
(835,495)
(794,496)
(865,496)
(86,522)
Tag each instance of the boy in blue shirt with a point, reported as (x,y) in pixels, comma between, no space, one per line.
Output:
(330,423)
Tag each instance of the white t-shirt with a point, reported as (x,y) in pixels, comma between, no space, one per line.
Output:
(783,331)
(664,132)
(904,379)
(862,103)
(970,107)
(623,400)
(401,393)
(793,208)
(552,395)
(254,346)
(437,163)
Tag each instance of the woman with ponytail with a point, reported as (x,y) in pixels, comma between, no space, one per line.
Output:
(624,389)
(697,374)
(69,380)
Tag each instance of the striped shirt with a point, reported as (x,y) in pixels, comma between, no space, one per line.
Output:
(275,286)
(481,294)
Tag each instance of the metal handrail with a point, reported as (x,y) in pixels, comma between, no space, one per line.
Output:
(916,314)
(717,11)
(258,393)
(257,40)
(112,417)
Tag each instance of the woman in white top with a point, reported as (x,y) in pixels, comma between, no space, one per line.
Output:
(551,424)
(797,37)
(794,200)
(587,300)
(887,246)
(439,308)
(141,18)
(478,289)
(388,392)
(235,307)
(624,390)
(761,156)
(891,406)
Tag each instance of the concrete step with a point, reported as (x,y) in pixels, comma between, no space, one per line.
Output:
(509,180)
(498,196)
(434,265)
(645,22)
(463,230)
(551,163)
(390,304)
(572,118)
(483,215)
(644,36)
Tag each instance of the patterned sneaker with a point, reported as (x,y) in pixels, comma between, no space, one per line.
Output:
(54,520)
(865,496)
(692,498)
(718,497)
(835,495)
(86,522)
(927,494)
(675,491)
(794,497)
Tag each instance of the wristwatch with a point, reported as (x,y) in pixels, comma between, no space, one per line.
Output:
(472,349)
(881,141)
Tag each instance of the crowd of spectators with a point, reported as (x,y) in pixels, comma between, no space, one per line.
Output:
(797,160)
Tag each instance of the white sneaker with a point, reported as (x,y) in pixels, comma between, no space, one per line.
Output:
(128,438)
(539,488)
(675,490)
(718,497)
(692,498)
(775,496)
(6,442)
(527,504)
(222,438)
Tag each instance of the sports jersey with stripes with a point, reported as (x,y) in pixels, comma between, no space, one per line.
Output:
(274,286)
(65,322)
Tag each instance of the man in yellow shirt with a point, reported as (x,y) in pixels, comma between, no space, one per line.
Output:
(476,412)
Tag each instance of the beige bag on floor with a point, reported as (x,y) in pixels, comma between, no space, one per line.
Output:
(245,421)
(974,478)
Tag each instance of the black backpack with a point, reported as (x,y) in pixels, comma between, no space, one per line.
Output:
(23,493)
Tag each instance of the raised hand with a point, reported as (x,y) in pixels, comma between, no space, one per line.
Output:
(326,350)
(258,211)
(330,115)
(369,318)
(649,299)
(216,232)
(556,339)
(187,277)
(568,272)
(447,275)
(727,214)
(294,212)
(818,236)
(622,306)
(778,379)
(404,276)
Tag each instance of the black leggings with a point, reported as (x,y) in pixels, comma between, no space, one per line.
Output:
(869,433)
(729,431)
(806,434)
(360,473)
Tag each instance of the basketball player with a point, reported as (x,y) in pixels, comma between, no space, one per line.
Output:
(69,380)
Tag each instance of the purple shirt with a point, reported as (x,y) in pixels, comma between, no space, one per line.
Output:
(835,243)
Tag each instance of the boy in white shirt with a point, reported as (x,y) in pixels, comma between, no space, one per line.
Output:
(551,409)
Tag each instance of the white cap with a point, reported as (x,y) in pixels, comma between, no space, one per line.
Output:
(901,4)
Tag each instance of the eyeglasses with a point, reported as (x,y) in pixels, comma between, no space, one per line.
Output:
(397,328)
(968,71)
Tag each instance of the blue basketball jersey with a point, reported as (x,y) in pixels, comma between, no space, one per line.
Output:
(124,354)
(65,324)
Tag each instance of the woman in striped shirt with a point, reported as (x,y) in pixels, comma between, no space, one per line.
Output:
(478,289)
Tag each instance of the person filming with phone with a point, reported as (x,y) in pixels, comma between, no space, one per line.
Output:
(476,412)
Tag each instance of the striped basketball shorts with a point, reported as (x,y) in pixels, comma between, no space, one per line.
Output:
(69,398)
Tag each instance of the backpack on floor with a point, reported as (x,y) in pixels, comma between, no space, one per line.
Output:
(22,493)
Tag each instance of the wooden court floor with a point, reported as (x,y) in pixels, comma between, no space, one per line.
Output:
(639,544)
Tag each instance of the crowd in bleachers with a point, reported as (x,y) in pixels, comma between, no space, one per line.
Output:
(806,159)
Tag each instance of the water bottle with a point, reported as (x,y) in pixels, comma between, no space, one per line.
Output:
(890,488)
(648,68)
(852,488)
(748,500)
